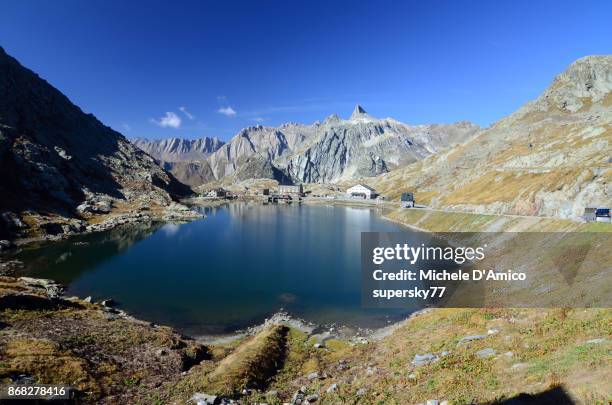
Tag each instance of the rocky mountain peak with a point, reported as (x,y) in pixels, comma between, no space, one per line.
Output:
(178,149)
(586,81)
(332,119)
(360,114)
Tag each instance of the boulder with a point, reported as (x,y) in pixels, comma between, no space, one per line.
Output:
(312,398)
(52,289)
(424,359)
(109,303)
(5,245)
(471,338)
(332,388)
(486,353)
(205,399)
(12,221)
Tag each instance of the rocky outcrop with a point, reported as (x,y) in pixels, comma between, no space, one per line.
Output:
(549,158)
(263,143)
(60,162)
(328,151)
(364,146)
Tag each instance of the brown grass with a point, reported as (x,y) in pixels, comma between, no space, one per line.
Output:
(251,364)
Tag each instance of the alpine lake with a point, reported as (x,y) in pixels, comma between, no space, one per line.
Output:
(232,269)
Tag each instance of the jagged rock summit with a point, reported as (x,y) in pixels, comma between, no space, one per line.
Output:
(360,114)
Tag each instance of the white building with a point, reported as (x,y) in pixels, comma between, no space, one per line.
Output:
(290,189)
(217,193)
(363,191)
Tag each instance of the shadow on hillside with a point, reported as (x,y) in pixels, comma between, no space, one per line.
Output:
(51,151)
(553,396)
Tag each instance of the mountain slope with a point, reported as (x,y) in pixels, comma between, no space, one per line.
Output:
(552,157)
(366,146)
(54,157)
(184,158)
(328,151)
(177,149)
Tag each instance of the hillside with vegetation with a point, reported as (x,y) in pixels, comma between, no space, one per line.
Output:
(552,157)
(462,356)
(64,171)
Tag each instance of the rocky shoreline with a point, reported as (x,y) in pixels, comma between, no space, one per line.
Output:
(68,228)
(320,332)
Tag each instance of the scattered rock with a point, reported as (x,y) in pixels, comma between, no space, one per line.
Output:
(88,299)
(109,303)
(12,221)
(298,398)
(519,366)
(318,346)
(118,220)
(342,365)
(486,353)
(492,331)
(595,341)
(313,376)
(312,398)
(62,153)
(5,245)
(412,376)
(161,352)
(8,268)
(471,338)
(205,399)
(52,289)
(332,388)
(24,379)
(361,392)
(424,359)
(508,354)
(433,402)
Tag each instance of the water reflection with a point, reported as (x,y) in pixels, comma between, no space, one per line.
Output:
(65,261)
(229,270)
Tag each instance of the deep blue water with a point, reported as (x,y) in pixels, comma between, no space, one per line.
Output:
(227,271)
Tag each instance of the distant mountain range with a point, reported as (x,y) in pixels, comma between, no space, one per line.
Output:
(179,150)
(328,151)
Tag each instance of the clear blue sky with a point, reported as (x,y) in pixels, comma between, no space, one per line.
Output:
(130,63)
